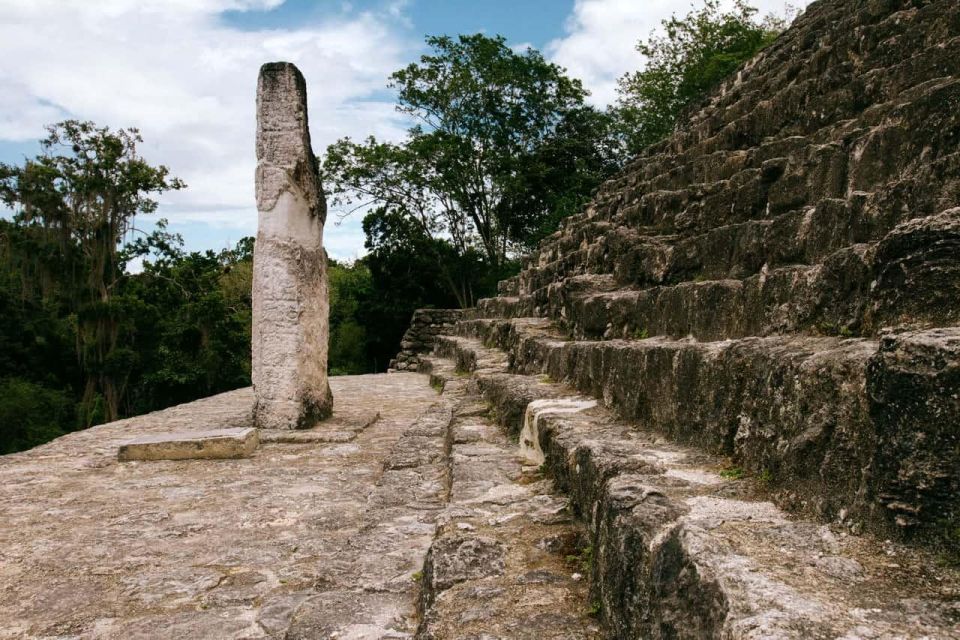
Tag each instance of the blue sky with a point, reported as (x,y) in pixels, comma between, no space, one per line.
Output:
(534,21)
(184,72)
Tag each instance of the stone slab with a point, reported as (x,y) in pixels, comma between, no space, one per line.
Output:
(191,445)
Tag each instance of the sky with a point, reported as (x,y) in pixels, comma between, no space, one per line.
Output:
(184,72)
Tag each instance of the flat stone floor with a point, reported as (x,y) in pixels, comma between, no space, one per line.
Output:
(93,548)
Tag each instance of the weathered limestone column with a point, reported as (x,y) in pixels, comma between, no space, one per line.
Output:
(290,305)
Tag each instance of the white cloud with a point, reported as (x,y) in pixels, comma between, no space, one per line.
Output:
(601,35)
(176,71)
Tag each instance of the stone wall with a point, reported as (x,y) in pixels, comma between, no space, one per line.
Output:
(779,281)
(425,326)
(771,295)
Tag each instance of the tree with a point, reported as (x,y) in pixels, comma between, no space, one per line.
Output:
(31,414)
(405,276)
(486,119)
(350,292)
(74,204)
(192,314)
(561,174)
(696,53)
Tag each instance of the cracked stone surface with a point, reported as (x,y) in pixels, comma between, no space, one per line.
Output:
(509,559)
(301,540)
(290,301)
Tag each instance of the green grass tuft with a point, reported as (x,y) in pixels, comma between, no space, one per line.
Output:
(732,473)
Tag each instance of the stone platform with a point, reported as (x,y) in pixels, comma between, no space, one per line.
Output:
(407,514)
(246,548)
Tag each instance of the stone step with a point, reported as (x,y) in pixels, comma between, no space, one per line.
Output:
(418,338)
(818,416)
(778,175)
(681,546)
(834,161)
(508,287)
(500,562)
(216,444)
(828,298)
(805,235)
(537,303)
(884,69)
(857,289)
(503,307)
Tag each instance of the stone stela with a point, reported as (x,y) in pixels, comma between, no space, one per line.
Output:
(290,303)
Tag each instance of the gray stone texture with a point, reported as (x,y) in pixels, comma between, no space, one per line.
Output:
(296,541)
(425,325)
(290,300)
(678,546)
(758,283)
(506,559)
(772,292)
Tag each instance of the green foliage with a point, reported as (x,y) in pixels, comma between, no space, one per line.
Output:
(696,53)
(834,329)
(765,479)
(558,178)
(183,332)
(192,314)
(583,560)
(74,205)
(502,146)
(351,290)
(83,339)
(948,532)
(31,414)
(732,473)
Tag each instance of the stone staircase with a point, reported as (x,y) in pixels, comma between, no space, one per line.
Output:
(742,360)
(681,544)
(508,559)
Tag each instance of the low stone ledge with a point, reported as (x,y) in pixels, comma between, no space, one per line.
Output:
(196,445)
(677,548)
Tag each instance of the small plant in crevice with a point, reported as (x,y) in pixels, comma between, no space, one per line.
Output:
(834,330)
(732,473)
(417,576)
(640,333)
(765,479)
(583,560)
(595,609)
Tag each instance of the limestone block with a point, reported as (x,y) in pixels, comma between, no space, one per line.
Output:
(290,299)
(191,445)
